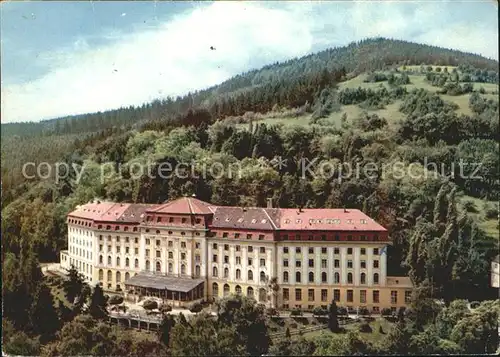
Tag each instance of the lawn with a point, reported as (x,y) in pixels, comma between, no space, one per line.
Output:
(373,336)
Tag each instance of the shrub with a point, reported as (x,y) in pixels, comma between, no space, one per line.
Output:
(296,312)
(196,307)
(164,308)
(470,206)
(490,211)
(150,305)
(474,304)
(115,300)
(363,311)
(386,312)
(293,325)
(381,330)
(319,311)
(365,327)
(271,311)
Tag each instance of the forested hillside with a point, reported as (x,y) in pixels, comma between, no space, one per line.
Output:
(411,111)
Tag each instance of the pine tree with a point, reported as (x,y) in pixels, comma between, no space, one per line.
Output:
(333,322)
(98,303)
(73,285)
(44,320)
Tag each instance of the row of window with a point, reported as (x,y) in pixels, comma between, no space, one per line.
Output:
(336,263)
(336,278)
(239,236)
(215,274)
(80,252)
(215,259)
(171,219)
(349,295)
(78,241)
(324,237)
(81,266)
(79,231)
(298,250)
(237,248)
(238,290)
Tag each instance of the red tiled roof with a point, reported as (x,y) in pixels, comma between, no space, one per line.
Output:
(321,219)
(326,219)
(242,218)
(185,205)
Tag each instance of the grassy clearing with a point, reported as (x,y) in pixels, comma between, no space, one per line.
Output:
(55,285)
(417,68)
(373,336)
(489,225)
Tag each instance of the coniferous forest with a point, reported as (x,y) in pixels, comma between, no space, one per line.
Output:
(386,102)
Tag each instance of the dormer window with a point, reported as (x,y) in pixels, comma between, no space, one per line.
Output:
(349,221)
(227,219)
(264,221)
(287,221)
(363,221)
(254,220)
(240,220)
(298,221)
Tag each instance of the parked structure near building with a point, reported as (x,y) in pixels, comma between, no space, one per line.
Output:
(189,249)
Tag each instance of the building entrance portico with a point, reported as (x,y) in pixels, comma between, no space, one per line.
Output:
(172,290)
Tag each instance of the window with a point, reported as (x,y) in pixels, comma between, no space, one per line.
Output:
(311,263)
(109,260)
(183,244)
(324,295)
(349,237)
(170,219)
(336,278)
(170,255)
(215,272)
(362,296)
(336,263)
(350,296)
(262,276)
(298,294)
(214,246)
(336,251)
(197,245)
(261,236)
(147,253)
(136,240)
(238,260)
(323,277)
(362,237)
(285,262)
(311,277)
(250,275)
(127,262)
(184,220)
(375,263)
(136,251)
(336,295)
(100,247)
(375,278)
(297,277)
(376,296)
(349,264)
(407,297)
(250,249)
(136,263)
(310,295)
(311,250)
(363,278)
(285,277)
(118,249)
(158,254)
(297,250)
(226,272)
(236,235)
(285,237)
(262,262)
(226,246)
(226,259)
(238,274)
(363,264)
(148,241)
(249,236)
(375,237)
(363,251)
(286,294)
(262,249)
(323,250)
(349,278)
(238,248)
(285,250)
(250,261)
(183,256)
(170,244)
(100,259)
(298,263)
(158,266)
(394,297)
(349,251)
(214,258)
(375,251)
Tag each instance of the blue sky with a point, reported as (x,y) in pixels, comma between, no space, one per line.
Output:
(62,58)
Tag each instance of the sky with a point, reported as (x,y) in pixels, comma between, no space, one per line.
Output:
(75,57)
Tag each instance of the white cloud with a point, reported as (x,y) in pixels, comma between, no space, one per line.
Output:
(175,57)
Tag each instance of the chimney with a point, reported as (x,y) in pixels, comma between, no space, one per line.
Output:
(269,203)
(300,209)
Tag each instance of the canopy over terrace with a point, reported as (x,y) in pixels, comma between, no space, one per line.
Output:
(166,287)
